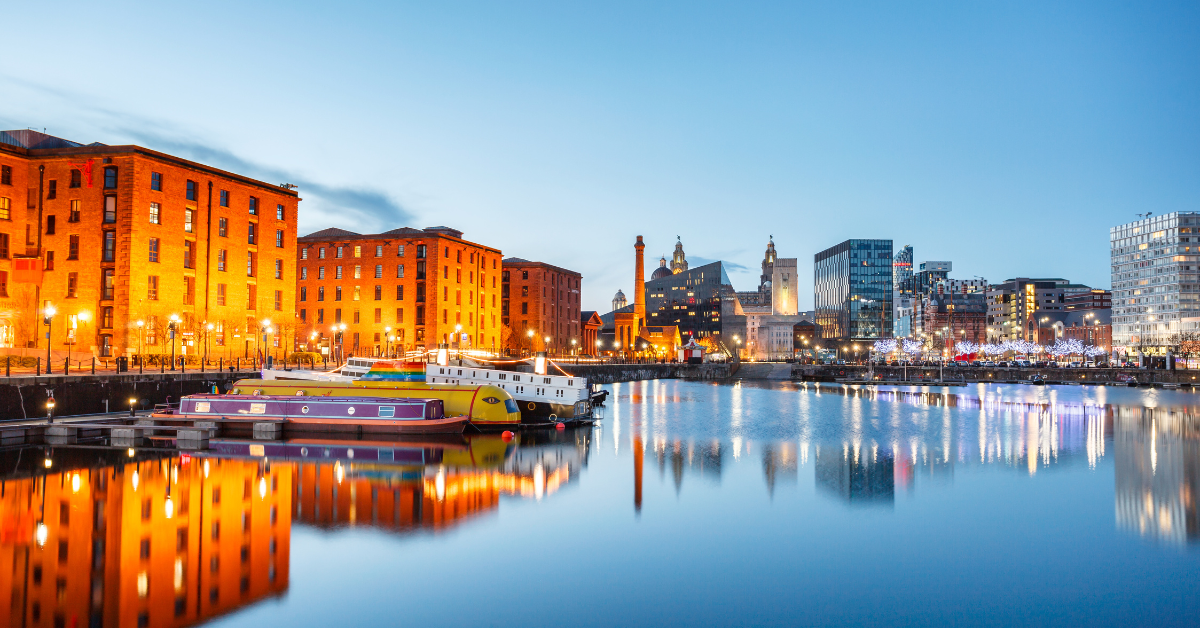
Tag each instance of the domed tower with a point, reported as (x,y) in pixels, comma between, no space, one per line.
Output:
(661,271)
(678,260)
(768,266)
(619,301)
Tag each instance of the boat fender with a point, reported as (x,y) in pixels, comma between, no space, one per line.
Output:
(506,436)
(559,426)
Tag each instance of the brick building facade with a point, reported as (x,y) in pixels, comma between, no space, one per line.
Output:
(414,285)
(544,299)
(121,238)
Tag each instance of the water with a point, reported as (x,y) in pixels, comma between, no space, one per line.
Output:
(688,504)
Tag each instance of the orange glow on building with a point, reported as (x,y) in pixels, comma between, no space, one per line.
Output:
(146,543)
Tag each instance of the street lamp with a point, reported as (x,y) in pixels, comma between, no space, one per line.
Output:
(266,348)
(48,318)
(172,326)
(141,340)
(457,345)
(387,342)
(530,335)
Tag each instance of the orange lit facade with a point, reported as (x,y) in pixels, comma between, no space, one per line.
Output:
(418,287)
(120,238)
(543,299)
(163,542)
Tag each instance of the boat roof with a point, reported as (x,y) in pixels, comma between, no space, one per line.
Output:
(380,400)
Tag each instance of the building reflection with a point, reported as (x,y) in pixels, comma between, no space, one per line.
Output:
(856,475)
(438,486)
(1156,461)
(688,458)
(106,538)
(780,464)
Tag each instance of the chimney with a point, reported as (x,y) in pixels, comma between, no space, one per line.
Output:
(639,284)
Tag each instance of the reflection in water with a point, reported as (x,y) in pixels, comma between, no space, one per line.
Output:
(1157,463)
(99,538)
(106,537)
(440,485)
(866,477)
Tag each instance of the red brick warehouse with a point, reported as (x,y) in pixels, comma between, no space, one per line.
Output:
(121,238)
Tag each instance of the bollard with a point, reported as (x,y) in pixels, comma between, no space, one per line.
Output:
(162,366)
(93,365)
(239,363)
(182,364)
(39,366)
(202,365)
(8,366)
(67,366)
(220,364)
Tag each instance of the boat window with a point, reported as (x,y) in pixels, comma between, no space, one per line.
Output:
(503,376)
(570,382)
(387,410)
(516,378)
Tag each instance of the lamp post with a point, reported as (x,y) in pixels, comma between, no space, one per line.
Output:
(387,342)
(208,329)
(172,326)
(48,318)
(339,330)
(530,335)
(266,329)
(546,344)
(141,340)
(457,342)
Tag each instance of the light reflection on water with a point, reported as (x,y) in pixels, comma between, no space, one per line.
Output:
(688,502)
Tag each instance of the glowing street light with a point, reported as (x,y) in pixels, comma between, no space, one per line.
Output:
(48,318)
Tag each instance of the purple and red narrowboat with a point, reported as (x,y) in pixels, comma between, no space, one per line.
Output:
(400,415)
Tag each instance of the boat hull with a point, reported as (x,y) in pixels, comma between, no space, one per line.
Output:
(486,407)
(447,425)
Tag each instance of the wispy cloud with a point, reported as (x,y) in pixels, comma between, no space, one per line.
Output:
(333,205)
(358,208)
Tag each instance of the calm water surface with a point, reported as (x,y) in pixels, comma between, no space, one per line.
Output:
(687,504)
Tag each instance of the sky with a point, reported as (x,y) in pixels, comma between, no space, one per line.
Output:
(1005,137)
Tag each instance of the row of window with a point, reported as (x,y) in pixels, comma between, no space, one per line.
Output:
(339,251)
(399,320)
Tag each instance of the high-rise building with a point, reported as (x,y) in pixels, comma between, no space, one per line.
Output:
(404,289)
(123,241)
(853,290)
(544,299)
(1155,280)
(902,270)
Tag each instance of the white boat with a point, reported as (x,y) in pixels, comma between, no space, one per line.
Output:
(541,398)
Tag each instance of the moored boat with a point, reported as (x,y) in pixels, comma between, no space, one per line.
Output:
(399,415)
(486,407)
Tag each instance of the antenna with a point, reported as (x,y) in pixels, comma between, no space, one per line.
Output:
(1145,215)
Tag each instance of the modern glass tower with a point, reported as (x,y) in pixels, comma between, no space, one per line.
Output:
(902,270)
(852,290)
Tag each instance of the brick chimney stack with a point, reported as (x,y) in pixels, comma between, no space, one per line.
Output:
(639,284)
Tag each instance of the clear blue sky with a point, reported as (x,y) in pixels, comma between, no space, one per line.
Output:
(1006,137)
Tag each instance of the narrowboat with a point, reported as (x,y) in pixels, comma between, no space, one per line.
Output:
(486,407)
(405,415)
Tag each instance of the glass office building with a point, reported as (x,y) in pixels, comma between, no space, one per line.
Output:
(852,290)
(902,270)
